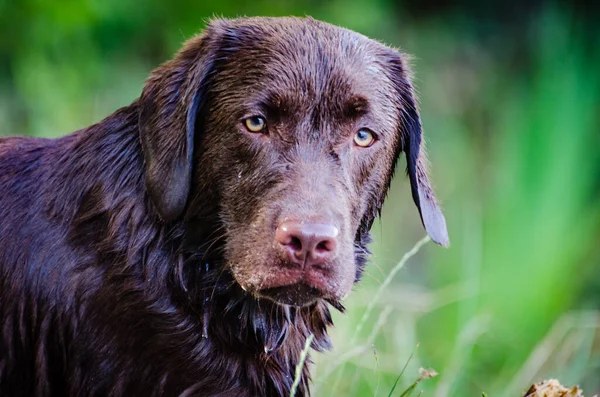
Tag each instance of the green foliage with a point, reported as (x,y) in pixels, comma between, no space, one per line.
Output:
(511,113)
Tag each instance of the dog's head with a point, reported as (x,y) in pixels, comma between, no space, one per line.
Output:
(288,130)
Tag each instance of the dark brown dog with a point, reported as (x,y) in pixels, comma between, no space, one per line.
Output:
(191,242)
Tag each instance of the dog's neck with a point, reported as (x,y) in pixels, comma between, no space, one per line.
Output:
(197,299)
(250,327)
(273,332)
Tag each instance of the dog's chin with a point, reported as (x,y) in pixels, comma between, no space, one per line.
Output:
(299,294)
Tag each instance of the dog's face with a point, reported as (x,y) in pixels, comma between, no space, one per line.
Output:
(294,128)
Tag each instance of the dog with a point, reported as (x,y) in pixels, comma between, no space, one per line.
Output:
(191,242)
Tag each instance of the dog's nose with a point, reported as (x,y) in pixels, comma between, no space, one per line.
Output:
(307,243)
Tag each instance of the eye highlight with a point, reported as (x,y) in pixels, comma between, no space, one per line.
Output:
(364,138)
(255,124)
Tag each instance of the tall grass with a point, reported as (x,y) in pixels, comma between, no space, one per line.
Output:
(513,127)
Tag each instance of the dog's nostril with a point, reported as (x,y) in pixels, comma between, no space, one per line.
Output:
(323,246)
(295,244)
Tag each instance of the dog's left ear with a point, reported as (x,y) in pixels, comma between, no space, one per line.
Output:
(411,141)
(167,120)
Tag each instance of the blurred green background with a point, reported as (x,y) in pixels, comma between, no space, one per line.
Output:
(510,99)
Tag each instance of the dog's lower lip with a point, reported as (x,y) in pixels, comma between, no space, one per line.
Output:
(313,278)
(296,287)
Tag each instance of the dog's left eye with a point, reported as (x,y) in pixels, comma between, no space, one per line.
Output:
(255,124)
(364,138)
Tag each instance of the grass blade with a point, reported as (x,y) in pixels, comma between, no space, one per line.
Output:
(300,365)
(402,372)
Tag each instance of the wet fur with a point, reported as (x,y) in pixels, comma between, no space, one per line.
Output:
(113,242)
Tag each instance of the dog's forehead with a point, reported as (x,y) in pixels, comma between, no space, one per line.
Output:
(301,62)
(303,49)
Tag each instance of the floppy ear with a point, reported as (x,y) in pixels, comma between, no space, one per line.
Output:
(168,106)
(416,159)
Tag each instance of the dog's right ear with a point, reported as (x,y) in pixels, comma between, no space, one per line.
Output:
(168,106)
(412,144)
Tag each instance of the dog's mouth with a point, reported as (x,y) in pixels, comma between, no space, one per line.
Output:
(297,287)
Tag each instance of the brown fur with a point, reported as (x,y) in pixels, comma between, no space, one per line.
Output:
(136,255)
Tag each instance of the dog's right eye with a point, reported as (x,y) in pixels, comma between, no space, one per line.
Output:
(255,124)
